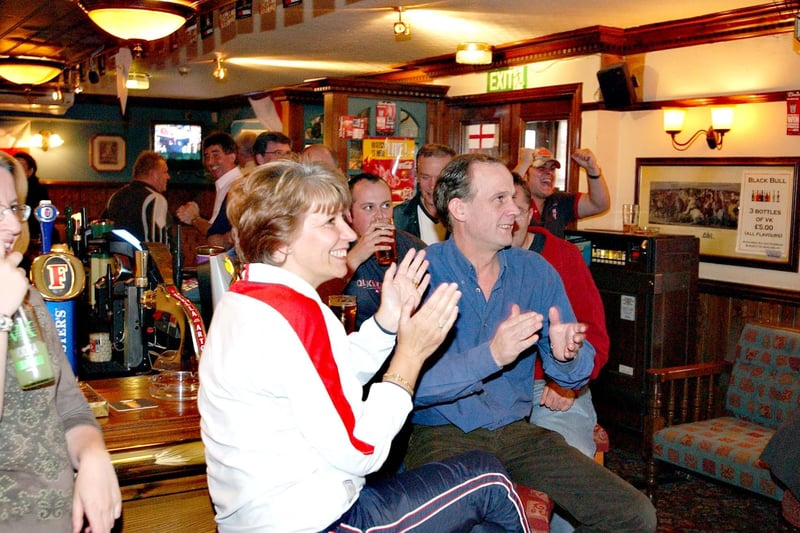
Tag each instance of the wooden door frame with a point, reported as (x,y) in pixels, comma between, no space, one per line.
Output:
(509,110)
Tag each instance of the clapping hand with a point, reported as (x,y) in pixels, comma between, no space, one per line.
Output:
(419,335)
(188,212)
(566,339)
(403,284)
(514,335)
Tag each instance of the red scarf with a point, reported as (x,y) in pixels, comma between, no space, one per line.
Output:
(305,317)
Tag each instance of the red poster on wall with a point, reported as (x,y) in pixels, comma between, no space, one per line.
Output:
(385,115)
(793,113)
(391,158)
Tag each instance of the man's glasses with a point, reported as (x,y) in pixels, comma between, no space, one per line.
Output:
(22,212)
(279,153)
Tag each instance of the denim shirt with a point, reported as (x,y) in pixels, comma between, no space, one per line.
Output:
(463,385)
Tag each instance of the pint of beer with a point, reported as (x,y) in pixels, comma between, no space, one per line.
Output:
(344,306)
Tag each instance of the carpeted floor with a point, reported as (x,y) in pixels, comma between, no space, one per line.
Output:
(693,504)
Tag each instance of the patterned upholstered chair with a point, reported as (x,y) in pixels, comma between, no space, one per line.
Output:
(688,428)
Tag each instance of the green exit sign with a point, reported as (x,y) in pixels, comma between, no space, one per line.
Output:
(507,79)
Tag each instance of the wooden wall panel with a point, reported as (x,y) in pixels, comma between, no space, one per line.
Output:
(724,308)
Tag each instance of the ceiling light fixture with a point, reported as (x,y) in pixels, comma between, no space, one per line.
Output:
(29,70)
(138,81)
(45,140)
(474,53)
(145,20)
(721,122)
(220,73)
(401,28)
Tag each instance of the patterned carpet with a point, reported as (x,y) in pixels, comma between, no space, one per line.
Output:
(691,504)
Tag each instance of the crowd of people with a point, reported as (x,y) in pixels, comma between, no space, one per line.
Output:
(486,385)
(496,384)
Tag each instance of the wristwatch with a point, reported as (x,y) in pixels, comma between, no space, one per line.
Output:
(6,323)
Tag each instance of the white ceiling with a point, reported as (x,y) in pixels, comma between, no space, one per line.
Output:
(357,38)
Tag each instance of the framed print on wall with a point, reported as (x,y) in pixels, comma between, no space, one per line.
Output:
(744,210)
(107,153)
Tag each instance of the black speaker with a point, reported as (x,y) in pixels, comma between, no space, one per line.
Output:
(616,85)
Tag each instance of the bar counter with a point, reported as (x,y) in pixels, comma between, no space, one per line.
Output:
(158,457)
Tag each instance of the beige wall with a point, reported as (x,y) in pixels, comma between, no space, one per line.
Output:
(745,66)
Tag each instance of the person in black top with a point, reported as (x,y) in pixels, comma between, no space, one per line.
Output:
(36,191)
(140,206)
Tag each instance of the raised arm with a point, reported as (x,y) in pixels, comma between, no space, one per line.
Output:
(598,199)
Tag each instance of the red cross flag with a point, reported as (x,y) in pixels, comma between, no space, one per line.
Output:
(481,136)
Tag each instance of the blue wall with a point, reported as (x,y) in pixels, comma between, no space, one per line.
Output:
(70,162)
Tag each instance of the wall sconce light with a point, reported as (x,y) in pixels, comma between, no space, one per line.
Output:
(138,81)
(474,54)
(45,140)
(144,20)
(400,28)
(29,70)
(721,122)
(220,73)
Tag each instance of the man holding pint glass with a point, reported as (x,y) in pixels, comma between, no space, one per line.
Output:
(378,245)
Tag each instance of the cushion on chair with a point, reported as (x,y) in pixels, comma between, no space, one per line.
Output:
(538,507)
(725,448)
(764,386)
(601,439)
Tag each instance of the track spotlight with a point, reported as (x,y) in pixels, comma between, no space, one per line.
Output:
(401,28)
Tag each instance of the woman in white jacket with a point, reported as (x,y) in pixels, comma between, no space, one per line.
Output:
(288,438)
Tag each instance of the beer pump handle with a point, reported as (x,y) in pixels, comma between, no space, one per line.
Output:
(70,225)
(140,275)
(84,234)
(177,258)
(46,214)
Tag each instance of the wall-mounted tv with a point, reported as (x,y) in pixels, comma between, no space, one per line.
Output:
(181,143)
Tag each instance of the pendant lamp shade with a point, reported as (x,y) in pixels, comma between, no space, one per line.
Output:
(29,70)
(144,20)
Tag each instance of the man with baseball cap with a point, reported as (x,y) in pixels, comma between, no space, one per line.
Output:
(555,209)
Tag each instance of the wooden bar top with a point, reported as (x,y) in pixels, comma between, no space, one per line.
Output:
(170,422)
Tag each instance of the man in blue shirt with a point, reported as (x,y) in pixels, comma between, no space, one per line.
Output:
(478,393)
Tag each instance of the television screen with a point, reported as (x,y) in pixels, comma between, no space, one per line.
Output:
(178,142)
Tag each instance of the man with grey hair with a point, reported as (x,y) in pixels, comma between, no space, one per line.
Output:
(246,159)
(478,392)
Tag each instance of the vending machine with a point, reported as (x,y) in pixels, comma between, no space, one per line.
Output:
(648,283)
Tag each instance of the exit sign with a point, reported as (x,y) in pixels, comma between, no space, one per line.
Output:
(507,79)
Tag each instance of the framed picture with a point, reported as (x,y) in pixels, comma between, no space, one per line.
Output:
(107,153)
(744,210)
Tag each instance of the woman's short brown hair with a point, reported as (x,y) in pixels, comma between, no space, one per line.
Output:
(267,208)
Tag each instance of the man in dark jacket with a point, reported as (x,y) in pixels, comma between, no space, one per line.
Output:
(418,215)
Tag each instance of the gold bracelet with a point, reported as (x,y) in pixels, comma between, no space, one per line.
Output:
(397,379)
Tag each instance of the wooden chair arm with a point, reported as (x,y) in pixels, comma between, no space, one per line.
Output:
(680,394)
(688,371)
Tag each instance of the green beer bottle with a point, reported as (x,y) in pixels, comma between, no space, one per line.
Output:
(27,349)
